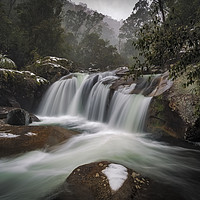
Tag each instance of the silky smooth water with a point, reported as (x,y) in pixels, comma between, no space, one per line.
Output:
(111,128)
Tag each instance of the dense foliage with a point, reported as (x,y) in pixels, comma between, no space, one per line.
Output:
(139,16)
(171,39)
(31,29)
(97,53)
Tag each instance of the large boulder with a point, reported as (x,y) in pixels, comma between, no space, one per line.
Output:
(51,68)
(18,117)
(4,111)
(173,112)
(162,120)
(20,139)
(21,89)
(148,85)
(102,180)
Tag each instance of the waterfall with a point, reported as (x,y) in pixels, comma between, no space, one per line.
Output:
(90,96)
(60,94)
(128,111)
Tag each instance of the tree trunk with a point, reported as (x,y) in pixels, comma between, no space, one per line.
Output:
(160,2)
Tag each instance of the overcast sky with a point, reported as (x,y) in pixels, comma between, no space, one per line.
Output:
(117,9)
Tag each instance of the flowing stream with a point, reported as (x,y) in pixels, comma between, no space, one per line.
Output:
(111,126)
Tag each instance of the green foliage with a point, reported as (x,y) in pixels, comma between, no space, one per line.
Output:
(173,44)
(139,16)
(82,23)
(40,22)
(6,63)
(33,27)
(97,53)
(5,30)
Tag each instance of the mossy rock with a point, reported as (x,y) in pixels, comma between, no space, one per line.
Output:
(7,63)
(22,87)
(51,68)
(163,120)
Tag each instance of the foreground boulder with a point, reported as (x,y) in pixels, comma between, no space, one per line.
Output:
(103,180)
(20,139)
(51,68)
(21,89)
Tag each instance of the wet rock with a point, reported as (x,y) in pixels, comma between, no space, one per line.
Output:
(122,83)
(21,139)
(147,85)
(162,120)
(51,68)
(33,118)
(122,71)
(18,117)
(193,132)
(102,180)
(4,113)
(159,85)
(21,89)
(172,110)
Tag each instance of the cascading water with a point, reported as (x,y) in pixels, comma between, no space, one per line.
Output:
(94,100)
(111,123)
(60,94)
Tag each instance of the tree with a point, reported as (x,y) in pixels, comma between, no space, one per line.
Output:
(173,43)
(12,42)
(97,53)
(139,16)
(5,27)
(40,23)
(81,23)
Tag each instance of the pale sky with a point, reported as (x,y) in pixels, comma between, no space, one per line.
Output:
(117,9)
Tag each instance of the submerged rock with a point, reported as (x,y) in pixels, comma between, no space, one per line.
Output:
(20,139)
(102,180)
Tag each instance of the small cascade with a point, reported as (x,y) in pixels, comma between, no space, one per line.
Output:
(59,95)
(128,112)
(97,102)
(90,96)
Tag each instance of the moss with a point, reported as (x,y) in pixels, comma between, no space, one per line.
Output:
(6,63)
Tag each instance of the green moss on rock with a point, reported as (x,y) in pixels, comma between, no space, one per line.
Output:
(23,87)
(51,68)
